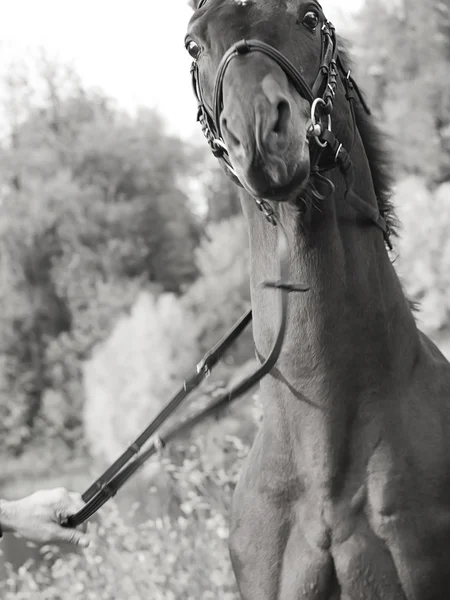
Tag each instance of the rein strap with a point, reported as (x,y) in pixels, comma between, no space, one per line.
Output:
(108,484)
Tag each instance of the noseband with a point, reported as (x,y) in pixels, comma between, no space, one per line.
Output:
(326,80)
(328,153)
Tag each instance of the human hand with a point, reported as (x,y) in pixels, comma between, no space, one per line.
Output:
(40,517)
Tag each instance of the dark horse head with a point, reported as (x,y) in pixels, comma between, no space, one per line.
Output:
(265,73)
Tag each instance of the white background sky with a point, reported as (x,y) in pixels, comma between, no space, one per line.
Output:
(133,50)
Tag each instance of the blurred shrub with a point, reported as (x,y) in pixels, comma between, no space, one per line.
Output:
(222,292)
(424,250)
(93,210)
(402,52)
(222,194)
(135,370)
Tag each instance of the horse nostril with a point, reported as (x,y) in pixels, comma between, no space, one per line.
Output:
(284,115)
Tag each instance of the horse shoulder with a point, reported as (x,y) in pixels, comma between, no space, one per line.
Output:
(408,475)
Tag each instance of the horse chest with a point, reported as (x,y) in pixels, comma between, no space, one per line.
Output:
(321,521)
(308,549)
(286,551)
(283,531)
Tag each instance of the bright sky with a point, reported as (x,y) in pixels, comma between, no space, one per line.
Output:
(132,50)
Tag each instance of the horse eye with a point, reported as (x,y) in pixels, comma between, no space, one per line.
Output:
(194,49)
(311,20)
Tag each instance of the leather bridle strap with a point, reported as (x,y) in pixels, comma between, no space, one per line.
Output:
(327,73)
(104,488)
(351,86)
(327,70)
(217,145)
(343,161)
(244,47)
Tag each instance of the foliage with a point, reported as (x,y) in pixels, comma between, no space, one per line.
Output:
(150,351)
(163,559)
(133,373)
(93,210)
(222,195)
(222,293)
(32,314)
(404,64)
(424,250)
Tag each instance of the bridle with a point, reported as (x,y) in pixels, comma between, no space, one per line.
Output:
(328,153)
(210,120)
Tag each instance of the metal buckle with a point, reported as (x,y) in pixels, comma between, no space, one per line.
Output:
(332,89)
(219,144)
(266,210)
(316,128)
(202,367)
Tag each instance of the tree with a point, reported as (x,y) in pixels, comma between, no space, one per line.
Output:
(222,195)
(32,314)
(403,64)
(93,210)
(222,293)
(424,259)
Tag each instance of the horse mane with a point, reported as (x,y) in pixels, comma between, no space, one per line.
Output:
(375,146)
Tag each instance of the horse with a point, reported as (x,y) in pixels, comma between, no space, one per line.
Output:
(345,493)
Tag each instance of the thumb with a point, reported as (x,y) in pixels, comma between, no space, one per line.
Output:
(72,536)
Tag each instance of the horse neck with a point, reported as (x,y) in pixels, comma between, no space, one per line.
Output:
(352,335)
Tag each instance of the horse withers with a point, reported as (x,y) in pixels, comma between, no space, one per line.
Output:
(346,491)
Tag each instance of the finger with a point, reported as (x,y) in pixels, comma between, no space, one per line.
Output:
(83,527)
(71,536)
(71,504)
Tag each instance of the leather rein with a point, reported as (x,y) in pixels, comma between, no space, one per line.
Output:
(328,154)
(109,483)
